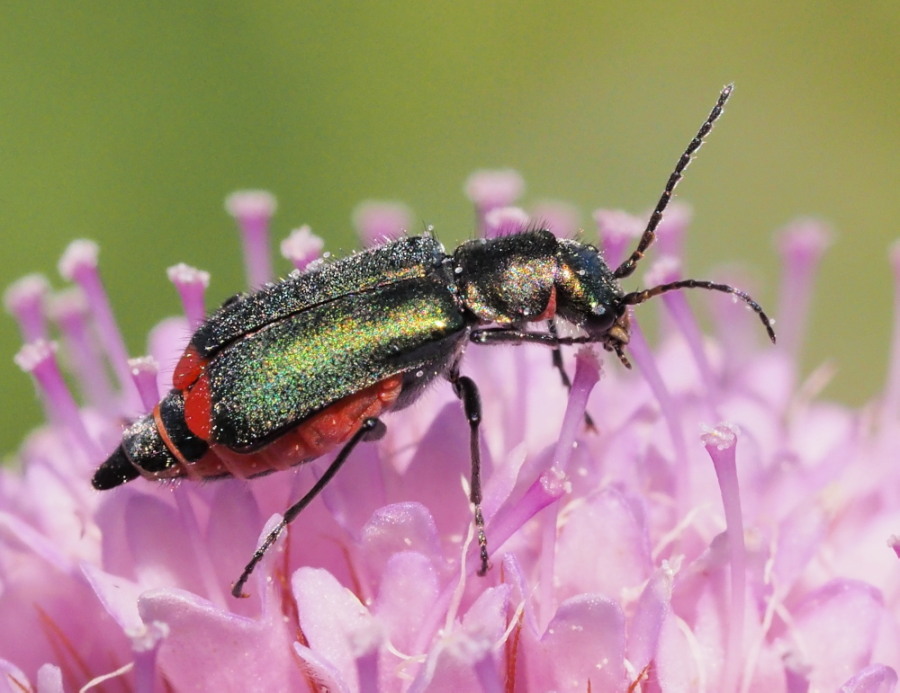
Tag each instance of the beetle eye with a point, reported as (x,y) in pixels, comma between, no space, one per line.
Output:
(599,321)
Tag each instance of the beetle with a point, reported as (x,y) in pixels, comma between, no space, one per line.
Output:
(308,365)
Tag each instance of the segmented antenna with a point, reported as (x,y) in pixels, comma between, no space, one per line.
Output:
(636,297)
(649,235)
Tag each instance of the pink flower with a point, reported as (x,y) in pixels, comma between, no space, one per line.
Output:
(723,529)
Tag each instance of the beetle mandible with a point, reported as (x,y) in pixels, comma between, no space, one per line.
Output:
(308,365)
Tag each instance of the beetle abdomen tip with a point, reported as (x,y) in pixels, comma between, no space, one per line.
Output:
(114,472)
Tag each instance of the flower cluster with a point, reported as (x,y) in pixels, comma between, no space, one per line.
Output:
(721,528)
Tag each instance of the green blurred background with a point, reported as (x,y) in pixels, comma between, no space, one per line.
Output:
(128,123)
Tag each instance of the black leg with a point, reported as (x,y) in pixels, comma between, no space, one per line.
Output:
(467,392)
(371,429)
(505,335)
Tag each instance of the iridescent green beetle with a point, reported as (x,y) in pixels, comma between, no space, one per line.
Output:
(308,365)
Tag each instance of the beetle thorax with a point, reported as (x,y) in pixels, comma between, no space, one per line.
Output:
(508,280)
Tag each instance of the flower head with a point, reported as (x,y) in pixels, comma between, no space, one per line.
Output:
(720,528)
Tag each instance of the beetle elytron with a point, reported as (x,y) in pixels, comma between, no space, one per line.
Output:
(308,365)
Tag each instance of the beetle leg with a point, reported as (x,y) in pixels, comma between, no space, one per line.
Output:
(371,429)
(560,366)
(467,392)
(506,335)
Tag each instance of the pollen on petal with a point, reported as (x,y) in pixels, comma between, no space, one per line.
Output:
(720,439)
(302,247)
(191,284)
(666,269)
(79,256)
(39,359)
(33,354)
(185,274)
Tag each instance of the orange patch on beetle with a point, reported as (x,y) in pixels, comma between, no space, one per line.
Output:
(550,310)
(189,369)
(198,408)
(320,433)
(211,465)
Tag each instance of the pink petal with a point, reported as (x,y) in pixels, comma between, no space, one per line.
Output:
(232,530)
(464,658)
(584,645)
(118,596)
(875,678)
(676,664)
(603,547)
(320,670)
(650,614)
(338,628)
(210,649)
(159,548)
(409,591)
(834,631)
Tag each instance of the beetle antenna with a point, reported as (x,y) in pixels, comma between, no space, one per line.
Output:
(636,297)
(649,235)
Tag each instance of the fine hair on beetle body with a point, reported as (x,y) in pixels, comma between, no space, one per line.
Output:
(308,365)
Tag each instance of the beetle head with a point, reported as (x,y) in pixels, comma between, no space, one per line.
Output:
(588,295)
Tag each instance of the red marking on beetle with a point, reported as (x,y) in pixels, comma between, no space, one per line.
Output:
(189,369)
(198,409)
(210,465)
(320,433)
(550,310)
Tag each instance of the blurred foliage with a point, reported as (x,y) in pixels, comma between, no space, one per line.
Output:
(128,123)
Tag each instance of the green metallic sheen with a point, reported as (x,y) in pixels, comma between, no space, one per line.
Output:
(280,375)
(409,258)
